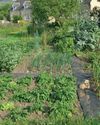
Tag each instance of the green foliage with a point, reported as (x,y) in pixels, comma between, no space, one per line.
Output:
(5,11)
(9,56)
(64,45)
(25,80)
(58,93)
(87,35)
(14,43)
(30,29)
(22,97)
(17,114)
(95,64)
(52,62)
(42,9)
(54,96)
(11,53)
(64,12)
(52,122)
(16,18)
(7,106)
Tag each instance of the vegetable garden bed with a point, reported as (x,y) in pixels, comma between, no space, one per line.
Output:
(42,98)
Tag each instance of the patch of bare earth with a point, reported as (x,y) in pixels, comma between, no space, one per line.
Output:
(36,115)
(22,104)
(22,67)
(31,86)
(3,114)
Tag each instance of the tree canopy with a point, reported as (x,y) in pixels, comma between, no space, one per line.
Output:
(5,10)
(42,9)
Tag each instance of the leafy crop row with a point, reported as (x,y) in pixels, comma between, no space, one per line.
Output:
(53,97)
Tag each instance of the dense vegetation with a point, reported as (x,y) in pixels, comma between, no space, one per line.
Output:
(47,96)
(5,10)
(50,98)
(14,43)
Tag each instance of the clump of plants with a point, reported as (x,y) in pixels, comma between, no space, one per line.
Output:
(95,67)
(52,97)
(55,62)
(16,18)
(87,35)
(11,53)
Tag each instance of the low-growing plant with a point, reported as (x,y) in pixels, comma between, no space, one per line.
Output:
(7,106)
(87,35)
(17,114)
(27,80)
(52,62)
(53,96)
(95,65)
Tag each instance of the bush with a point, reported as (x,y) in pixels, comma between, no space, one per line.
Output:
(1,17)
(5,10)
(16,18)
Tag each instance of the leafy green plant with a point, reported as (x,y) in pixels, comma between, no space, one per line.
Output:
(17,114)
(11,53)
(5,10)
(53,96)
(7,106)
(16,18)
(22,96)
(87,35)
(63,97)
(27,80)
(95,64)
(9,57)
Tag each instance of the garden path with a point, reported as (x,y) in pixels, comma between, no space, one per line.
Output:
(89,102)
(24,64)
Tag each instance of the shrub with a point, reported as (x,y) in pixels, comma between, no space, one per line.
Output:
(16,18)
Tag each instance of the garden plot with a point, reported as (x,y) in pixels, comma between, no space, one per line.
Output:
(44,97)
(14,43)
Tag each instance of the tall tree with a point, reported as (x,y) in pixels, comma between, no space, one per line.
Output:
(60,9)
